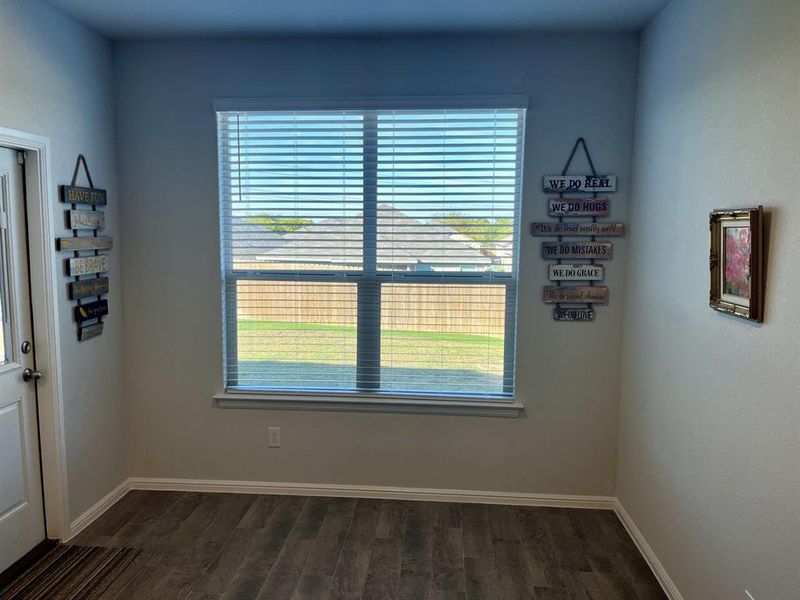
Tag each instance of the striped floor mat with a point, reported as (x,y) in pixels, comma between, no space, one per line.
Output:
(70,573)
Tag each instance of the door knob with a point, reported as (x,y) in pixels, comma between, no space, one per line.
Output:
(31,375)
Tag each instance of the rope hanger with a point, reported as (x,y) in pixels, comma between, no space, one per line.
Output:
(578,143)
(81,160)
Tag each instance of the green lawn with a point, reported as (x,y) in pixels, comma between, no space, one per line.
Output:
(323,344)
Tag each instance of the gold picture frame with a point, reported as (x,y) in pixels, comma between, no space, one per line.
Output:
(736,262)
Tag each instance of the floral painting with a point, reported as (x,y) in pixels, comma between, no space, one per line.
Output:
(737,261)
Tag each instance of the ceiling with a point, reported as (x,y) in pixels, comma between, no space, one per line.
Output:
(127,19)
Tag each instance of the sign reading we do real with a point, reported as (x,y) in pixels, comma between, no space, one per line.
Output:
(580,183)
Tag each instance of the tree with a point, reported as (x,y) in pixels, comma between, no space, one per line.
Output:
(481,229)
(279,224)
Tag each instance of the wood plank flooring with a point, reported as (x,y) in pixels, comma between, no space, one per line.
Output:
(240,547)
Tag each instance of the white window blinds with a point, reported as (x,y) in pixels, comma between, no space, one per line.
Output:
(371,251)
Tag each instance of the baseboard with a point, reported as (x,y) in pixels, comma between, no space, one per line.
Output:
(92,514)
(669,587)
(377,492)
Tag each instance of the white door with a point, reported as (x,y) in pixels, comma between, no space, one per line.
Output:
(21,504)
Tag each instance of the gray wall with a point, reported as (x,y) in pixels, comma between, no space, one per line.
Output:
(55,81)
(568,373)
(709,458)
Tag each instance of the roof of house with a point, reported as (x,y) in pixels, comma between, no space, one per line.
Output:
(401,241)
(249,240)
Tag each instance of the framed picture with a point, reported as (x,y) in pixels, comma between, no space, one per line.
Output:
(736,261)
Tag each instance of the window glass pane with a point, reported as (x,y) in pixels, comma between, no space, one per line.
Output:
(295,335)
(447,190)
(6,273)
(3,352)
(293,184)
(443,338)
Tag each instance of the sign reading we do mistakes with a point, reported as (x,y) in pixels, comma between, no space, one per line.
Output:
(599,250)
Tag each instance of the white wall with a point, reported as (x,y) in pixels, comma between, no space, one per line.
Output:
(55,81)
(709,456)
(568,373)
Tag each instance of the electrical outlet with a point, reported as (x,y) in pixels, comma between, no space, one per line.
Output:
(274,437)
(749,595)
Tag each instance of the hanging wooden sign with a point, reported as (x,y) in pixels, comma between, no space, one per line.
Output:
(580,183)
(92,220)
(600,250)
(577,207)
(86,219)
(598,229)
(85,243)
(583,294)
(88,287)
(576,272)
(90,331)
(573,314)
(92,310)
(72,194)
(88,265)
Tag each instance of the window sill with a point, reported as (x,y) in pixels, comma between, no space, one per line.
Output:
(364,403)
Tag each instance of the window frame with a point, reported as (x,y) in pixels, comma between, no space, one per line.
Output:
(370,279)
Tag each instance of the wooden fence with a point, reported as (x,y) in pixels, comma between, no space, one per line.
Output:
(473,309)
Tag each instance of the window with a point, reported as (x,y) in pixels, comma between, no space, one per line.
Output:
(371,250)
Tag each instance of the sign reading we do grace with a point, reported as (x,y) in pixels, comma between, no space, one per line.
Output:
(576,272)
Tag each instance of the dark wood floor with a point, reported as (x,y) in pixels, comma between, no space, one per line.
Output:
(293,548)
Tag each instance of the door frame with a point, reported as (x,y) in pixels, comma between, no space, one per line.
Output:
(45,284)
